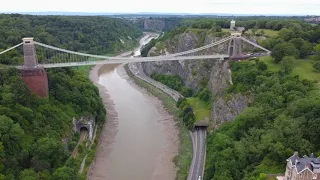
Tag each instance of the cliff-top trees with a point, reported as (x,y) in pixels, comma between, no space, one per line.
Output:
(317,49)
(284,49)
(95,35)
(287,64)
(316,66)
(281,120)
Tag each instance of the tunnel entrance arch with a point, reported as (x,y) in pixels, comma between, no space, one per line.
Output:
(83,128)
(85,124)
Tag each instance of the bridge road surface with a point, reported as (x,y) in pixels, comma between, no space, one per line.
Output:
(198,136)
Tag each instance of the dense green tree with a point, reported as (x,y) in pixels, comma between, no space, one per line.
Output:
(254,30)
(185,91)
(262,66)
(186,113)
(29,174)
(287,64)
(282,50)
(317,49)
(173,81)
(262,176)
(48,153)
(65,173)
(270,43)
(316,66)
(305,50)
(286,34)
(298,42)
(179,102)
(304,47)
(261,32)
(205,95)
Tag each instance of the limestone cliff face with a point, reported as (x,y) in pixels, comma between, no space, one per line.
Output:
(196,72)
(225,106)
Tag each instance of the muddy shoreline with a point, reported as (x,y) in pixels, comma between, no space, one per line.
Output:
(164,167)
(108,132)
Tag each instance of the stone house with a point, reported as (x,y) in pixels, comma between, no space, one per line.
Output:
(305,168)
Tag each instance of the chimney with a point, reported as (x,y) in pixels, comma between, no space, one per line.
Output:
(308,165)
(296,153)
(312,155)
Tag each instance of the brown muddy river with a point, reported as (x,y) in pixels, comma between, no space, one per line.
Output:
(140,139)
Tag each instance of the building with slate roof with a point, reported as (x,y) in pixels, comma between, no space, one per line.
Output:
(305,168)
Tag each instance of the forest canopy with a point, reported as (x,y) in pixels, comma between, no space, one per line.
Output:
(33,130)
(92,34)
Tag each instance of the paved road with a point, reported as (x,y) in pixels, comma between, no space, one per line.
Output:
(199,152)
(137,70)
(198,136)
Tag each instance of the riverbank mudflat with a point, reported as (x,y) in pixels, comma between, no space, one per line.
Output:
(99,168)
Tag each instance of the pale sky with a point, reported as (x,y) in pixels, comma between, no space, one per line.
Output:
(297,7)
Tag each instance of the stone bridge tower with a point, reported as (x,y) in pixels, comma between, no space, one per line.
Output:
(234,49)
(33,74)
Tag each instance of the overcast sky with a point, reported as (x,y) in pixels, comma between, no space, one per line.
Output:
(298,7)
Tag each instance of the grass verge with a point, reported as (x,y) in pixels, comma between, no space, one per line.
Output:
(184,157)
(200,108)
(301,67)
(268,32)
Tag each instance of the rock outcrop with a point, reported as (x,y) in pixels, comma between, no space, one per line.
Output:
(195,73)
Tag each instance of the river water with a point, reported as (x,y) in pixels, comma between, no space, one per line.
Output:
(143,138)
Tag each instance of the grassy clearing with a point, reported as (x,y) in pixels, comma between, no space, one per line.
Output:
(225,30)
(268,32)
(184,157)
(270,63)
(301,67)
(200,108)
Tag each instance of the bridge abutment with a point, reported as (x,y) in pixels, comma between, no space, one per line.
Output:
(34,75)
(37,81)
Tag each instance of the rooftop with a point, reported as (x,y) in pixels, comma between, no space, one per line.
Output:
(312,163)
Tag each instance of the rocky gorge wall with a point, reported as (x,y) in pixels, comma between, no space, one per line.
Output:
(215,74)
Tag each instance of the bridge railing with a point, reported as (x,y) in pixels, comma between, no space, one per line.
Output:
(256,45)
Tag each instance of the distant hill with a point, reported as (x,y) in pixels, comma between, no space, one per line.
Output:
(143,14)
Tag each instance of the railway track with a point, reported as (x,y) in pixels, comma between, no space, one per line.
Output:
(83,136)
